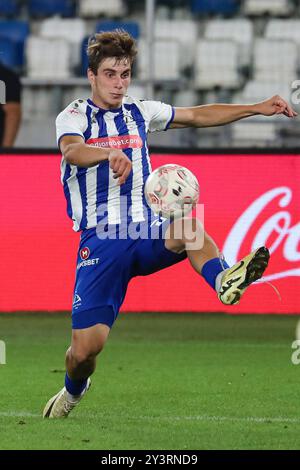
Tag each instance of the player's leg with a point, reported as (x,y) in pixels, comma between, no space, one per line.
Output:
(85,346)
(99,291)
(204,255)
(81,357)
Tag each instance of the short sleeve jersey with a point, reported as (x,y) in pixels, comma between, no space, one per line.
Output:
(125,128)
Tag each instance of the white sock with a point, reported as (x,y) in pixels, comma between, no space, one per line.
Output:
(71,397)
(219,279)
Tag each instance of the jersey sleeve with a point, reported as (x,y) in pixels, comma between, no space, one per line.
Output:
(71,121)
(160,115)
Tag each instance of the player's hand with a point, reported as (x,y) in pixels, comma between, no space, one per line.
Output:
(120,164)
(276,105)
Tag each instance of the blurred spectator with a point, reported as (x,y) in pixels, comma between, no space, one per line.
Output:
(10,106)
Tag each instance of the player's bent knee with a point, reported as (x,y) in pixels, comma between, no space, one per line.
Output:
(81,356)
(185,234)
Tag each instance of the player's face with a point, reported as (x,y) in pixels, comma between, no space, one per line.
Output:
(111,82)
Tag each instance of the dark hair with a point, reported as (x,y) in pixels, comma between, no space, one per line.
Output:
(117,43)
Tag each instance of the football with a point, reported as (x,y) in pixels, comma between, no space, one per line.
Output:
(172,191)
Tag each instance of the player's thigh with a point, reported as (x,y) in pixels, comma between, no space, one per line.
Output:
(152,255)
(101,281)
(186,233)
(89,342)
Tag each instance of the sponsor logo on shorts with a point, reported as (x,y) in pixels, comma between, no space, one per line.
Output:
(84,253)
(88,262)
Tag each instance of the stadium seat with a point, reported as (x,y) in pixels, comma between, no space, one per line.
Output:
(166,60)
(217,65)
(283,29)
(9,52)
(72,30)
(94,8)
(168,30)
(185,98)
(208,7)
(50,64)
(259,130)
(84,58)
(130,26)
(255,132)
(17,32)
(275,60)
(239,30)
(9,8)
(42,8)
(271,7)
(255,91)
(137,91)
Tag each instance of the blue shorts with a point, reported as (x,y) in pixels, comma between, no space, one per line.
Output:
(104,269)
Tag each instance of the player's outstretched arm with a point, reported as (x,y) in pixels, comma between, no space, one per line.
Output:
(76,152)
(220,114)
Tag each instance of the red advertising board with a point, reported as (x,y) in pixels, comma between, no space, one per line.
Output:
(249,200)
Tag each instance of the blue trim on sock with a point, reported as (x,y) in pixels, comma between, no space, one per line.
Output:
(211,269)
(75,387)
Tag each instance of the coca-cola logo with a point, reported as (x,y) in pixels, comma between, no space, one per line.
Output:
(285,236)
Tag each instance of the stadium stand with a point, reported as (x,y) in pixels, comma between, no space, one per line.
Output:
(9,8)
(187,39)
(267,67)
(16,32)
(227,50)
(166,60)
(217,65)
(50,65)
(44,8)
(271,7)
(95,8)
(208,7)
(131,27)
(239,30)
(9,53)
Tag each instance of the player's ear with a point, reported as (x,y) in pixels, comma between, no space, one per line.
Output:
(91,76)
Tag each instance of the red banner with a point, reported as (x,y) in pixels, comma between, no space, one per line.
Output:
(249,200)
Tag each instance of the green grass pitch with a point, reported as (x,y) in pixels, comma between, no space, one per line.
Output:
(164,381)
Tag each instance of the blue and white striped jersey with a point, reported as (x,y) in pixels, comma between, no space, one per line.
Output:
(125,128)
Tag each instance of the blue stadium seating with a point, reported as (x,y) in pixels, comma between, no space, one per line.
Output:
(42,8)
(208,7)
(16,32)
(84,59)
(9,8)
(9,53)
(131,27)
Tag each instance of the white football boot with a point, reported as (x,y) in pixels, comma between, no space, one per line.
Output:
(237,278)
(61,404)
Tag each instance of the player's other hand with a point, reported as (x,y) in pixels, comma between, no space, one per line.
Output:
(276,105)
(120,164)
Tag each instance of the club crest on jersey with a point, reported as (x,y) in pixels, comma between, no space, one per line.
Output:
(84,253)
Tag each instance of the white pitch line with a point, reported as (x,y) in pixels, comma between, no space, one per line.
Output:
(249,419)
(19,414)
(253,419)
